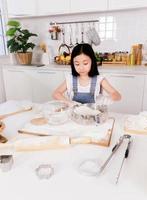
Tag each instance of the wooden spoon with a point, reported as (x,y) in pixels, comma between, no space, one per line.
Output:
(14,113)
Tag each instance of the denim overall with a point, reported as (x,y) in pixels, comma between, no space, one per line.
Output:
(84,97)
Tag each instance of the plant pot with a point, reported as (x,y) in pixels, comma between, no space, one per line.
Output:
(24,58)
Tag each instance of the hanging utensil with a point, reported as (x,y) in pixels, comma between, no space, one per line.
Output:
(88,34)
(70,37)
(77,33)
(82,33)
(65,48)
(63,35)
(95,36)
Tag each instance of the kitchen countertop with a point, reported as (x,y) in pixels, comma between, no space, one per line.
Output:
(137,69)
(67,183)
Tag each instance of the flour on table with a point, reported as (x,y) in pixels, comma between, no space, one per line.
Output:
(137,122)
(84,110)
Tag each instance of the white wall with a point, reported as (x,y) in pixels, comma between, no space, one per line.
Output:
(131,28)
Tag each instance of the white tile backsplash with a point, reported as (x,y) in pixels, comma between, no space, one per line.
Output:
(131,28)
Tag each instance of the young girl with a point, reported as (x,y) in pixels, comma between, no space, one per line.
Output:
(85,84)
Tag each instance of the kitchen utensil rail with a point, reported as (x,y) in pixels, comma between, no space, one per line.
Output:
(74,22)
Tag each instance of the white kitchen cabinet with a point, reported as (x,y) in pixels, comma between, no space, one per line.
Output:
(21,8)
(34,85)
(17,84)
(37,7)
(144,107)
(44,83)
(131,88)
(126,4)
(49,7)
(88,6)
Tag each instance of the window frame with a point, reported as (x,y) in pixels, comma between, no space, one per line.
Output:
(3,21)
(104,30)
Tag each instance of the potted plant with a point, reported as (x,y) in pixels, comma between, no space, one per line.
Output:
(18,42)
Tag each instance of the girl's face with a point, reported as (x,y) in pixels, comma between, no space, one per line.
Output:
(82,64)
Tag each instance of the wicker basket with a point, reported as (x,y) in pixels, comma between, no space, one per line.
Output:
(24,58)
(63,57)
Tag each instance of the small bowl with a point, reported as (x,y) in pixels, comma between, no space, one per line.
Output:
(98,114)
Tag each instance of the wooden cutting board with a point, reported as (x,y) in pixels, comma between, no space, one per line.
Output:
(77,139)
(28,141)
(130,128)
(135,131)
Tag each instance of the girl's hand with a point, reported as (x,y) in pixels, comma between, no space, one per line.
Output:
(72,103)
(112,92)
(104,100)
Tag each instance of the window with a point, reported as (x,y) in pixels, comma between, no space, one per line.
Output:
(107,28)
(3,49)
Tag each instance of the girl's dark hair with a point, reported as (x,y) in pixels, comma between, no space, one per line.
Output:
(86,49)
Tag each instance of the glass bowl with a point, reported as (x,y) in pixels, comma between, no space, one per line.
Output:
(89,114)
(56,112)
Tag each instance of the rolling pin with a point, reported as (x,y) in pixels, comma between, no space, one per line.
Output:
(44,143)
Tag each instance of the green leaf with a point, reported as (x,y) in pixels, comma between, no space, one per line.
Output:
(27,33)
(13,23)
(28,46)
(11,32)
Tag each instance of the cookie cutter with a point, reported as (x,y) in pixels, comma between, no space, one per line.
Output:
(44,171)
(6,162)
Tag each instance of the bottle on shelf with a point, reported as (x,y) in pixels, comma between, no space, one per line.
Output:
(133,55)
(139,55)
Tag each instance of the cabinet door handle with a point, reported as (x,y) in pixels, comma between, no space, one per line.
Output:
(47,72)
(12,70)
(121,76)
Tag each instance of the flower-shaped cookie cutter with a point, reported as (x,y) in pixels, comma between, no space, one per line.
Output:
(44,171)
